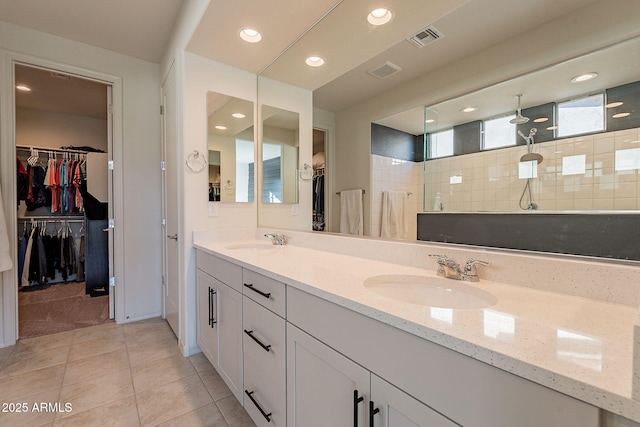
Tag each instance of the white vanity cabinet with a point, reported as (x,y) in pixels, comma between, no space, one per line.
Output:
(298,360)
(219,328)
(446,385)
(324,387)
(207,326)
(391,407)
(264,346)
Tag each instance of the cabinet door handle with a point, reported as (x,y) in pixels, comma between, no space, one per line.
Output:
(212,320)
(372,412)
(264,294)
(262,411)
(260,343)
(356,400)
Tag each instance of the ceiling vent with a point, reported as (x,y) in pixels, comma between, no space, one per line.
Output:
(60,76)
(385,70)
(425,36)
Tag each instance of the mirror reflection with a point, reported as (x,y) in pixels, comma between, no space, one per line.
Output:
(560,145)
(231,148)
(356,102)
(280,142)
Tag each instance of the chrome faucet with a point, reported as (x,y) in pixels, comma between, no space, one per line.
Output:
(277,239)
(450,269)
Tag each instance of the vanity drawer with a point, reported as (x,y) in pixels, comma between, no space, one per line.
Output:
(264,395)
(265,291)
(225,271)
(264,328)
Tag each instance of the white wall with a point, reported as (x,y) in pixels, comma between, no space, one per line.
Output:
(202,75)
(598,25)
(37,128)
(136,153)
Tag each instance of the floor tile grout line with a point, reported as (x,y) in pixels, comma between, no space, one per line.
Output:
(135,393)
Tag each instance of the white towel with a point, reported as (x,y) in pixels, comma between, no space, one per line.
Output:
(351,212)
(394,215)
(5,251)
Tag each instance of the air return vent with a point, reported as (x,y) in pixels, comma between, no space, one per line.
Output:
(425,36)
(60,76)
(385,70)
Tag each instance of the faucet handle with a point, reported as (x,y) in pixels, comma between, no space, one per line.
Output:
(470,267)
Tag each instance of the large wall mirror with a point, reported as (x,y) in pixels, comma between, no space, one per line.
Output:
(230,142)
(568,141)
(280,147)
(381,98)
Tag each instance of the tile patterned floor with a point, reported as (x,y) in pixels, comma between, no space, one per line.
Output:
(113,375)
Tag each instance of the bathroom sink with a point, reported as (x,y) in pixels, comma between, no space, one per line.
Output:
(430,291)
(251,246)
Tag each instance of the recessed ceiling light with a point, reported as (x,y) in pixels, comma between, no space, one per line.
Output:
(220,127)
(620,115)
(552,128)
(250,35)
(23,88)
(379,16)
(540,120)
(314,61)
(613,104)
(238,115)
(468,109)
(584,77)
(429,121)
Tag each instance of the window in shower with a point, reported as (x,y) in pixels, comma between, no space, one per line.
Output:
(441,144)
(580,116)
(499,132)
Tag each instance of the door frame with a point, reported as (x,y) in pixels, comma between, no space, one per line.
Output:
(171,75)
(8,60)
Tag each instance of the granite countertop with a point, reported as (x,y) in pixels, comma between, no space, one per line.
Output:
(578,346)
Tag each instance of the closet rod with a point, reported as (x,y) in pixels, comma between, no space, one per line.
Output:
(51,218)
(45,149)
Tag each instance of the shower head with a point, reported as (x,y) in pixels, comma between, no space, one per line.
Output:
(519,119)
(531,157)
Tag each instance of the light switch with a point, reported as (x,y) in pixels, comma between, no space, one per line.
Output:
(295,209)
(213,208)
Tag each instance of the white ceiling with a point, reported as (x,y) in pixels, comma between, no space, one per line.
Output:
(138,28)
(292,30)
(60,93)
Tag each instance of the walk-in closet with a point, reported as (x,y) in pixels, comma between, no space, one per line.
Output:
(62,141)
(319,167)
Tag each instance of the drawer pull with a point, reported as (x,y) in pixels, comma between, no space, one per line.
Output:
(372,412)
(356,400)
(212,320)
(260,343)
(262,411)
(264,294)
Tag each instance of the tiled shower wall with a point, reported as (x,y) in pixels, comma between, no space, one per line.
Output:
(488,180)
(400,175)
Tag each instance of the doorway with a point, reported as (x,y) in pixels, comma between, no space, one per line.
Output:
(319,184)
(63,142)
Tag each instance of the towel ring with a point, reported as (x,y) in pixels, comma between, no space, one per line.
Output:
(196,161)
(306,173)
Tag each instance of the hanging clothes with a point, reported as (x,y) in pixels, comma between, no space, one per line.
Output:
(37,194)
(5,255)
(49,256)
(22,181)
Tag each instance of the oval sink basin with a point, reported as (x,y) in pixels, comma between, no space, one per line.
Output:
(251,246)
(430,291)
